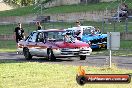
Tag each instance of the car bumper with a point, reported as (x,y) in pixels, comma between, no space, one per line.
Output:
(72,52)
(20,50)
(64,53)
(95,46)
(102,45)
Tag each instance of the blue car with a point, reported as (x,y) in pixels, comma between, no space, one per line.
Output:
(103,38)
(96,40)
(100,40)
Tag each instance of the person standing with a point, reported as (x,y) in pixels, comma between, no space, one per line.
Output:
(39,27)
(78,31)
(124,10)
(18,33)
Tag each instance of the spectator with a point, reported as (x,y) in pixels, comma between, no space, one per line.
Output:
(39,27)
(123,10)
(18,33)
(79,31)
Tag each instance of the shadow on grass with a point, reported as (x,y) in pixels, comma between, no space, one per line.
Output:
(95,50)
(40,60)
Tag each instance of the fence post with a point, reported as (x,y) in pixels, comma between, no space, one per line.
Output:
(103,25)
(126,24)
(114,26)
(118,14)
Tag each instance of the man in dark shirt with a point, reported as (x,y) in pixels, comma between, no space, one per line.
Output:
(18,33)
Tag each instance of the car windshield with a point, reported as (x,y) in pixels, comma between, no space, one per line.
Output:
(60,36)
(55,35)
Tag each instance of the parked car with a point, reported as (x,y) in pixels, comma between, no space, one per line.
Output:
(52,43)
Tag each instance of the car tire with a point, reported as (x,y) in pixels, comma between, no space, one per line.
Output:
(27,54)
(50,55)
(82,57)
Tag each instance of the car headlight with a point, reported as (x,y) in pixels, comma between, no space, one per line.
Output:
(65,49)
(56,49)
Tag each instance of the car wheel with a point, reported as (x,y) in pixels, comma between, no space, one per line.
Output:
(27,54)
(81,80)
(82,57)
(50,55)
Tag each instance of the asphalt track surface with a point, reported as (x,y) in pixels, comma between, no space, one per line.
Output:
(97,61)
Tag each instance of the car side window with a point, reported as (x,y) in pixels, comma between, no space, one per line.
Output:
(32,37)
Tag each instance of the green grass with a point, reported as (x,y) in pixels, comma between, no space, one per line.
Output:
(7,50)
(10,44)
(126,43)
(77,8)
(120,52)
(86,7)
(63,9)
(15,74)
(7,29)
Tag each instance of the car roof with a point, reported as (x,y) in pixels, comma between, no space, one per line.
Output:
(50,30)
(86,26)
(80,26)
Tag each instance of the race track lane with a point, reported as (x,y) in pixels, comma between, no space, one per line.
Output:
(121,62)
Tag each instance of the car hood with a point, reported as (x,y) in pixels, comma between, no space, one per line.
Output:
(87,38)
(103,35)
(76,44)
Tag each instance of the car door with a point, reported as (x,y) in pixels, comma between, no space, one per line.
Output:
(31,43)
(41,44)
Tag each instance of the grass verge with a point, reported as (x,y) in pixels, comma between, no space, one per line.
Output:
(64,9)
(7,50)
(15,74)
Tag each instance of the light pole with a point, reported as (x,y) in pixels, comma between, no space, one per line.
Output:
(41,8)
